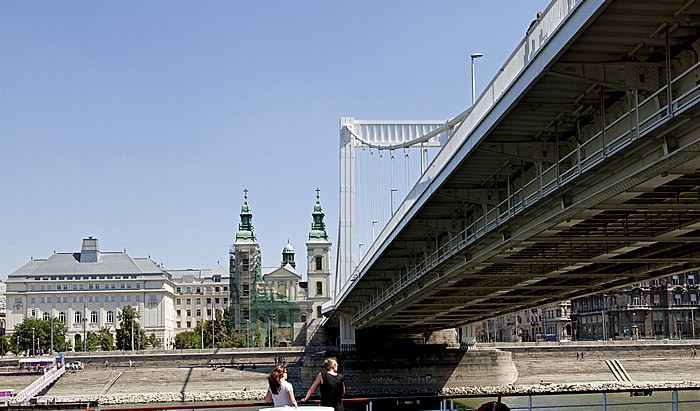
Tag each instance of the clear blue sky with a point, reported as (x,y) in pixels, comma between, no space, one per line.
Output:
(141,122)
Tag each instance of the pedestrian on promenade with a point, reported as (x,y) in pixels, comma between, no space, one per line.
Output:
(493,406)
(332,385)
(280,392)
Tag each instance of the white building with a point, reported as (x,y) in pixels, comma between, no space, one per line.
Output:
(87,290)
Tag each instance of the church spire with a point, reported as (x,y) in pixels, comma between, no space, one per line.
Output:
(318,226)
(246,233)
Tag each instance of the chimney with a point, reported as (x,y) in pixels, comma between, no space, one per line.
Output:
(90,250)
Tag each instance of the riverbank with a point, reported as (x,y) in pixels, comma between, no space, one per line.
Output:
(187,377)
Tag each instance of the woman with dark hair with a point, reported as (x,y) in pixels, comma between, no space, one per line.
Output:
(332,385)
(280,393)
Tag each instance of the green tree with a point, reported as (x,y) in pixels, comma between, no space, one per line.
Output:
(153,341)
(259,339)
(129,329)
(105,339)
(187,339)
(35,334)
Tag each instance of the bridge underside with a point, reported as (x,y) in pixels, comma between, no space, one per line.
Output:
(550,205)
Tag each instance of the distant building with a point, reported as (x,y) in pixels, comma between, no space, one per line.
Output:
(550,322)
(661,308)
(274,301)
(3,308)
(87,290)
(199,295)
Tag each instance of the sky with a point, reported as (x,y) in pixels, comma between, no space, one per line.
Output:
(140,123)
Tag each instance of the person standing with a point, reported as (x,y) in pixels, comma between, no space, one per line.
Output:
(280,392)
(332,385)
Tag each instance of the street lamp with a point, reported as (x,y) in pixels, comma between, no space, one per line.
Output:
(474,56)
(33,341)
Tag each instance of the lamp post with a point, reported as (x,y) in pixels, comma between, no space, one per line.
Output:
(33,341)
(51,344)
(474,56)
(213,317)
(84,329)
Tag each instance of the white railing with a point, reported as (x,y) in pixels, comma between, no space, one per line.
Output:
(38,385)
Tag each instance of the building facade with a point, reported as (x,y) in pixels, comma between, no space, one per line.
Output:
(274,301)
(200,295)
(661,308)
(87,290)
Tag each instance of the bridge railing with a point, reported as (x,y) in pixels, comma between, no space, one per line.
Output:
(642,117)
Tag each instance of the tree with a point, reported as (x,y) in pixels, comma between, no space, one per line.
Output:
(129,329)
(33,333)
(105,339)
(187,339)
(153,341)
(259,339)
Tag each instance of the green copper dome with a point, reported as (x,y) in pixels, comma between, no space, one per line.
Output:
(288,248)
(318,226)
(246,233)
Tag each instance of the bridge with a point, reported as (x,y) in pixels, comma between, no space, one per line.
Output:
(576,171)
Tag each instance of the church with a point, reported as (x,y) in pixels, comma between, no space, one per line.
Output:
(272,305)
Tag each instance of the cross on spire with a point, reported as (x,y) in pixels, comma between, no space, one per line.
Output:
(245,193)
(318,192)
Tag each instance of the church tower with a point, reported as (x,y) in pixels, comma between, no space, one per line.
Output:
(288,255)
(246,271)
(318,249)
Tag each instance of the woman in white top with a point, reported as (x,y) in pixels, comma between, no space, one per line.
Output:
(280,392)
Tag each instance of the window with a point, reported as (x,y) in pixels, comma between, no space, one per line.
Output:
(188,290)
(677,299)
(110,316)
(179,324)
(675,280)
(198,290)
(45,316)
(318,312)
(62,317)
(178,290)
(199,312)
(152,298)
(93,317)
(691,279)
(216,289)
(189,314)
(199,301)
(319,288)
(188,301)
(189,324)
(78,317)
(178,301)
(319,263)
(178,313)
(694,299)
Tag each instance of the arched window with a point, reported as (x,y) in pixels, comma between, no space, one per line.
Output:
(62,317)
(45,316)
(78,317)
(93,317)
(110,316)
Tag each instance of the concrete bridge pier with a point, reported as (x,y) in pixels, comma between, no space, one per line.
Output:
(414,369)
